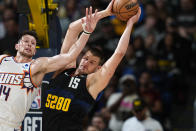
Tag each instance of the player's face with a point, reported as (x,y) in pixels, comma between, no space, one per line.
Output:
(89,63)
(27,46)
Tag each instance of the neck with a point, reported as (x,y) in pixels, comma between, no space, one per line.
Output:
(22,59)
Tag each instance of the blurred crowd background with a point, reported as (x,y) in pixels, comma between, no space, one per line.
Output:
(159,65)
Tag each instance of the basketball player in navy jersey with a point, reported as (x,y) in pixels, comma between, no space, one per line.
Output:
(72,92)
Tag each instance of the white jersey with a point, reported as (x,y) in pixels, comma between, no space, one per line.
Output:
(16,91)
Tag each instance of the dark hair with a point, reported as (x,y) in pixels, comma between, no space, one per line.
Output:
(100,115)
(31,33)
(97,52)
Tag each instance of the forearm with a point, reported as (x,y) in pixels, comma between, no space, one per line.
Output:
(76,26)
(78,46)
(70,38)
(124,40)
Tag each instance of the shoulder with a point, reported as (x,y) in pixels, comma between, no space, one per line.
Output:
(132,119)
(2,57)
(153,120)
(154,123)
(132,124)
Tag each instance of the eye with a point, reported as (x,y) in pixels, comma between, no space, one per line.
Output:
(26,41)
(85,58)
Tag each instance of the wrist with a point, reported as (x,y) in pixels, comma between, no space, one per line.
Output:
(104,13)
(86,32)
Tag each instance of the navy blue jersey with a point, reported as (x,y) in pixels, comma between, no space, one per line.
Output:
(67,102)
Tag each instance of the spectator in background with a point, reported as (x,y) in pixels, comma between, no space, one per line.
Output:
(10,21)
(141,121)
(145,82)
(151,96)
(167,54)
(135,56)
(181,44)
(99,122)
(92,128)
(138,45)
(150,44)
(130,61)
(120,104)
(67,13)
(162,11)
(150,9)
(186,18)
(106,37)
(151,66)
(149,27)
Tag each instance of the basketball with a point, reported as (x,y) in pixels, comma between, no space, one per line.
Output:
(125,9)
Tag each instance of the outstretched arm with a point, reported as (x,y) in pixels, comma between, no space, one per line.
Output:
(97,81)
(76,27)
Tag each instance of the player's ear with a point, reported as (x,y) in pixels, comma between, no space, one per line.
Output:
(98,67)
(16,46)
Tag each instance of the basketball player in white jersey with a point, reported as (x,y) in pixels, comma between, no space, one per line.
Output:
(21,76)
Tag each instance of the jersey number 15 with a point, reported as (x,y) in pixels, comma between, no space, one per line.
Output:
(74,82)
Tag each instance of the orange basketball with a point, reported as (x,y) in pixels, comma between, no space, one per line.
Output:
(125,9)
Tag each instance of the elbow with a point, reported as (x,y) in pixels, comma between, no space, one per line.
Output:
(71,26)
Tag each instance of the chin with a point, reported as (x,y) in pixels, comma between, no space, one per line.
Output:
(27,55)
(83,72)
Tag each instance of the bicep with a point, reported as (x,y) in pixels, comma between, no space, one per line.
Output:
(108,69)
(99,80)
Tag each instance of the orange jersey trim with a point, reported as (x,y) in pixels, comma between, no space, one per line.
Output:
(3,58)
(31,77)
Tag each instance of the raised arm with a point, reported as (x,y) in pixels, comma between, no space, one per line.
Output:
(76,27)
(97,81)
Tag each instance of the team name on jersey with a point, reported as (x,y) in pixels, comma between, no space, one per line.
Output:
(11,78)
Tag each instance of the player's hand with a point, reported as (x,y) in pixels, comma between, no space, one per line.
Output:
(134,18)
(109,8)
(90,22)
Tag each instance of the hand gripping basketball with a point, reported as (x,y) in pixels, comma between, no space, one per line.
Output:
(125,9)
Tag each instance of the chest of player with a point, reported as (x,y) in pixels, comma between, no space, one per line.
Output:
(13,73)
(68,93)
(70,83)
(68,86)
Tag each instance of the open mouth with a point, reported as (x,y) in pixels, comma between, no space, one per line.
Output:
(28,50)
